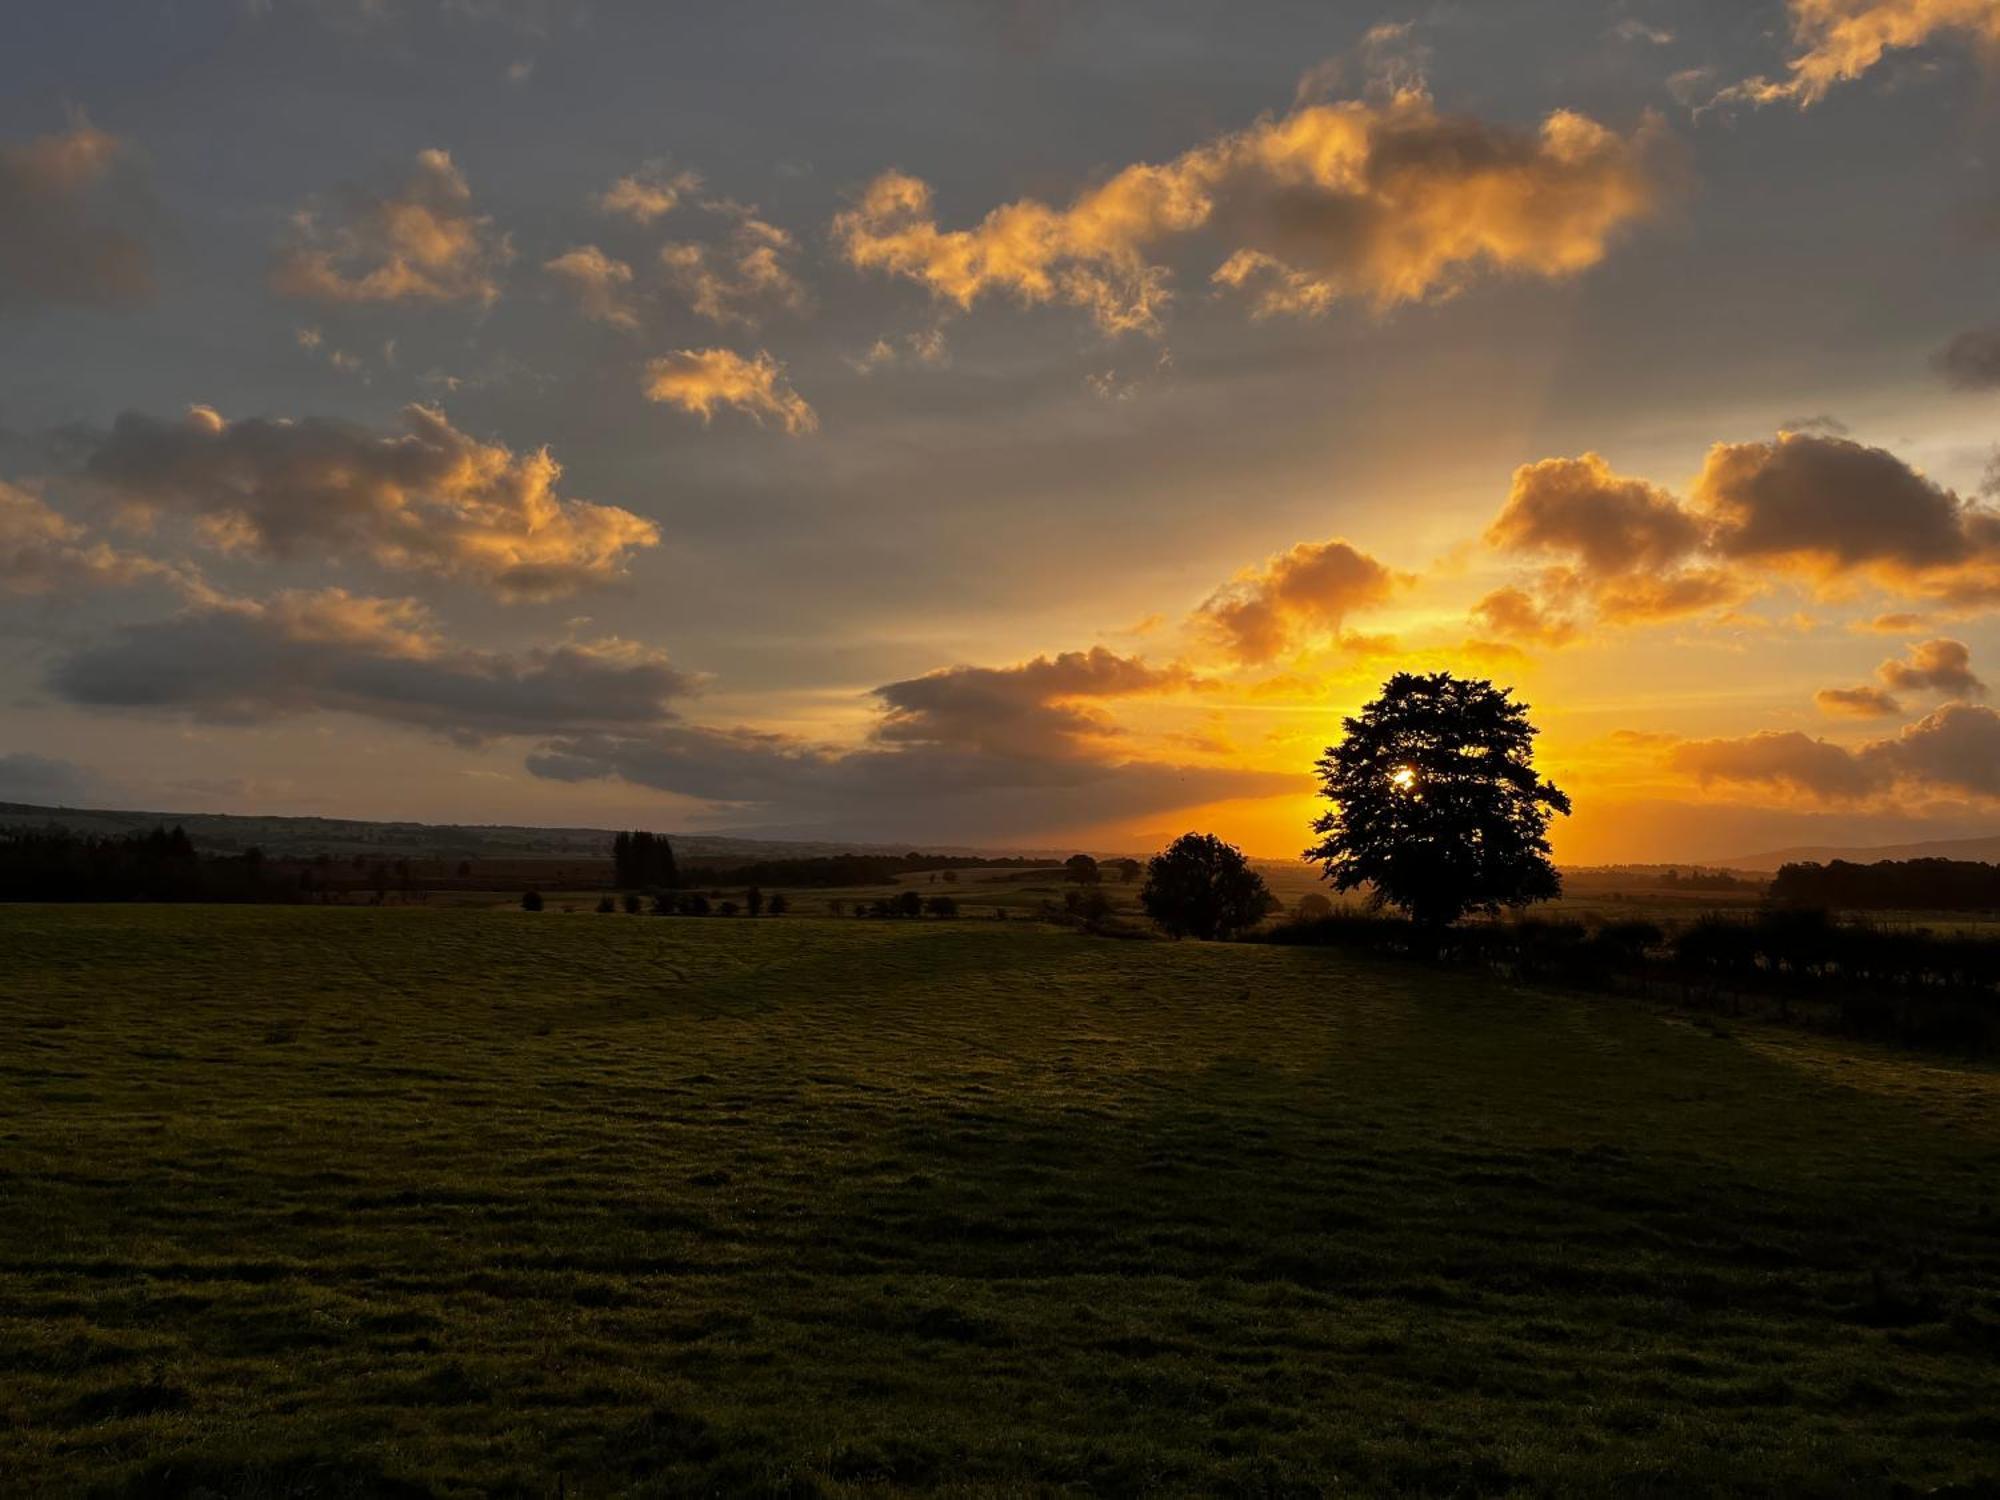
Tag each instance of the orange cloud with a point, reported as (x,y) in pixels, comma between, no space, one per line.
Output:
(429,498)
(1387,201)
(1839,40)
(601,284)
(728,286)
(700,380)
(648,194)
(1307,590)
(422,243)
(44,553)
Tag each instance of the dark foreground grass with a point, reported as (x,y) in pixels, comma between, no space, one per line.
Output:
(341,1203)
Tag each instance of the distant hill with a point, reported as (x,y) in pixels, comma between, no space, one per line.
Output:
(1985,850)
(293,838)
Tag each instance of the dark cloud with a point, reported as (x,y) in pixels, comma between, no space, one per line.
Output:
(73,211)
(1038,709)
(1806,505)
(428,498)
(243,661)
(918,791)
(1971,361)
(1943,666)
(1862,702)
(1952,752)
(1833,505)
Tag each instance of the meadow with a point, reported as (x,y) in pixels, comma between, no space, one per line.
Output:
(339,1202)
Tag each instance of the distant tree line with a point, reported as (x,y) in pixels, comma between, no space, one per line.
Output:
(1908,885)
(828,870)
(53,864)
(1906,986)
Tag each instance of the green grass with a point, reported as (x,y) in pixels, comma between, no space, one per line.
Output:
(301,1202)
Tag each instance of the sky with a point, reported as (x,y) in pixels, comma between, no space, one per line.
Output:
(999,422)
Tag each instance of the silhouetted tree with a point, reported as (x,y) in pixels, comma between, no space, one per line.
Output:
(1080,868)
(531,901)
(942,906)
(663,905)
(643,861)
(694,904)
(753,901)
(632,903)
(1436,803)
(606,905)
(950,877)
(908,904)
(1312,907)
(777,906)
(1204,888)
(726,909)
(1128,871)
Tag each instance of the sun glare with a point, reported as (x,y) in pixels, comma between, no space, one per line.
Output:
(1403,778)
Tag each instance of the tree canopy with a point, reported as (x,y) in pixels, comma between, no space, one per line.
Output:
(1202,887)
(1436,802)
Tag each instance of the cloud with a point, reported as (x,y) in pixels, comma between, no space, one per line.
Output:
(1862,702)
(43,781)
(422,243)
(1786,759)
(699,380)
(1943,666)
(428,498)
(1837,41)
(1611,525)
(1514,614)
(1807,505)
(1307,590)
(602,285)
(648,194)
(1952,752)
(1039,708)
(1971,361)
(1829,507)
(74,211)
(247,661)
(733,285)
(44,553)
(1387,201)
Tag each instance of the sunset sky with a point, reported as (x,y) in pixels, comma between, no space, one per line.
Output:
(969,422)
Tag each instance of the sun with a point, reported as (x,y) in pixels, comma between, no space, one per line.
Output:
(1403,778)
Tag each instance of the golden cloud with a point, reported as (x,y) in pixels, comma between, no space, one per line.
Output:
(1305,591)
(1839,40)
(429,498)
(1952,752)
(648,194)
(1387,201)
(730,285)
(700,380)
(44,553)
(602,284)
(422,243)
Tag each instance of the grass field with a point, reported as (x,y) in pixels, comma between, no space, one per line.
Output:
(333,1202)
